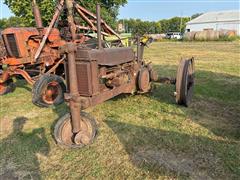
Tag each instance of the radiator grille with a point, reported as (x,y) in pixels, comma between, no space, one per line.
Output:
(12,45)
(84,79)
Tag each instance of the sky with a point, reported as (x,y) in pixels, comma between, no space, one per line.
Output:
(154,10)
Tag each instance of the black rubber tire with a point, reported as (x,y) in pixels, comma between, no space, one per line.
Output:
(65,119)
(10,87)
(185,82)
(39,86)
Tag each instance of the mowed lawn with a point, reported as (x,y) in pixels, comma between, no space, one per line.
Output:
(142,136)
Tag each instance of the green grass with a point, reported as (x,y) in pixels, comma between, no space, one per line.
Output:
(139,137)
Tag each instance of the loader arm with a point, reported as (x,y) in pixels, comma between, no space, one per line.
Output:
(86,15)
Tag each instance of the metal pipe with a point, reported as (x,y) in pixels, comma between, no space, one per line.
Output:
(138,49)
(37,14)
(75,107)
(98,10)
(141,51)
(69,6)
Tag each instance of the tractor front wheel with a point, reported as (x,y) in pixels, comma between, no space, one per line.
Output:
(64,136)
(48,90)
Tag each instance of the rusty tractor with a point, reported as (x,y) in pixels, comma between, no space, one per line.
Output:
(93,71)
(33,53)
(96,75)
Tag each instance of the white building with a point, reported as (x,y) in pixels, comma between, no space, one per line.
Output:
(221,20)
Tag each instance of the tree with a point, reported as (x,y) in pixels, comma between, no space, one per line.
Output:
(11,22)
(165,25)
(196,15)
(137,26)
(174,24)
(22,8)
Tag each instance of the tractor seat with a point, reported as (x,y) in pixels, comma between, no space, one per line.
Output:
(106,56)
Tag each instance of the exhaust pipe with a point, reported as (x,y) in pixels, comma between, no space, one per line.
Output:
(98,10)
(37,15)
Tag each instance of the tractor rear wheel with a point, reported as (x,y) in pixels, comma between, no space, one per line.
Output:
(144,80)
(185,82)
(64,136)
(48,90)
(7,87)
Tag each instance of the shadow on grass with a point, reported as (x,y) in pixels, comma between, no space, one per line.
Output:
(215,106)
(173,154)
(21,83)
(60,110)
(215,103)
(19,150)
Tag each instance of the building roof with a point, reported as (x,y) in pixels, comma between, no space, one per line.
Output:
(220,16)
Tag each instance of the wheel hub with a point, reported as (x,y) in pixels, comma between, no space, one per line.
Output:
(144,80)
(51,92)
(65,137)
(82,138)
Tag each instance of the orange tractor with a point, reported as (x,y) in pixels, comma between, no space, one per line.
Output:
(33,53)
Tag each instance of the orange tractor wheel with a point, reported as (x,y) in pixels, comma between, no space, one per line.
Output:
(48,90)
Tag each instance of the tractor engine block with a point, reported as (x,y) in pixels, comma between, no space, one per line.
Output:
(100,70)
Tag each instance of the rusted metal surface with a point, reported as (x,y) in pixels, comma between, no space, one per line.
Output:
(92,75)
(144,80)
(37,49)
(2,88)
(29,35)
(75,107)
(65,137)
(4,76)
(107,56)
(185,82)
(6,87)
(166,80)
(24,74)
(98,81)
(71,24)
(51,92)
(90,18)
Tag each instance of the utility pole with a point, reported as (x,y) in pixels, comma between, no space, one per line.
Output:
(181,23)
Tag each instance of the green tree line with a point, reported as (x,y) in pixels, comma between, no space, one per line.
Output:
(109,12)
(137,26)
(11,22)
(23,9)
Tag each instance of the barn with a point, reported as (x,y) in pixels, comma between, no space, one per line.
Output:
(221,20)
